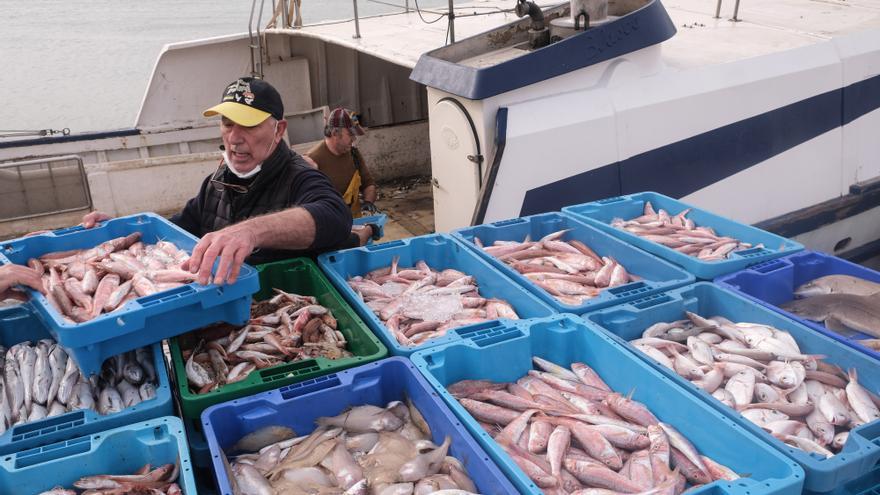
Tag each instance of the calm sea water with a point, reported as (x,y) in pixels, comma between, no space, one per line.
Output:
(85,64)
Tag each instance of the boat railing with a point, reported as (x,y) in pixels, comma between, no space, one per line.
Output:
(735,17)
(289,12)
(44,186)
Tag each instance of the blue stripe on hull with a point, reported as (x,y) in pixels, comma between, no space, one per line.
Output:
(681,168)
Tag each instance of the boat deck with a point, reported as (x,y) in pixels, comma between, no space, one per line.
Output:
(409,206)
(761,27)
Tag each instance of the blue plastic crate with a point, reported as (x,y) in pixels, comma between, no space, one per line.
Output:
(18,324)
(380,220)
(657,275)
(772,283)
(601,213)
(564,339)
(868,484)
(299,405)
(199,452)
(142,321)
(121,450)
(440,252)
(862,450)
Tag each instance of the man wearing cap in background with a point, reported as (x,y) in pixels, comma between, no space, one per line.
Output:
(264,202)
(337,157)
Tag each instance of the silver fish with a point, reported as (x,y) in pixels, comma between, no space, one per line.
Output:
(57,365)
(68,381)
(840,312)
(109,401)
(362,419)
(837,284)
(133,373)
(147,391)
(258,439)
(14,387)
(860,399)
(27,360)
(144,357)
(425,464)
(42,376)
(56,409)
(130,395)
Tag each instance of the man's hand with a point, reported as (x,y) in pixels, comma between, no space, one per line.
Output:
(232,244)
(92,219)
(12,275)
(369,208)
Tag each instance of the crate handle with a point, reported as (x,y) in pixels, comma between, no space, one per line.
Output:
(385,245)
(52,452)
(511,221)
(289,370)
(496,336)
(608,201)
(630,289)
(651,301)
(309,386)
(15,312)
(69,230)
(769,266)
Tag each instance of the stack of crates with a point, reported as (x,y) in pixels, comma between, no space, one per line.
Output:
(299,276)
(59,450)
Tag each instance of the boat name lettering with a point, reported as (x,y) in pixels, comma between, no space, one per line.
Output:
(611,36)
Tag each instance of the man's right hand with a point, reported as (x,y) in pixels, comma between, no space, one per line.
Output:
(92,219)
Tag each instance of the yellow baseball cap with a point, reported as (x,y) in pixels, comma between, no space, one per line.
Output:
(248,101)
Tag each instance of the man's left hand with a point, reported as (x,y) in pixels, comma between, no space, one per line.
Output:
(12,275)
(369,208)
(232,245)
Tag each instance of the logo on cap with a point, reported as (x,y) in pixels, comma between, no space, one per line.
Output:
(240,91)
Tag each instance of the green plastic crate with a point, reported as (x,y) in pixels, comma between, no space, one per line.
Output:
(300,276)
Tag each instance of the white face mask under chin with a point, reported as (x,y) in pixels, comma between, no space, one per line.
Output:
(238,174)
(256,169)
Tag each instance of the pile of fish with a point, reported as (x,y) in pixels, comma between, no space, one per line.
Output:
(83,283)
(570,433)
(569,270)
(419,304)
(843,303)
(159,481)
(40,381)
(365,450)
(287,327)
(760,371)
(681,234)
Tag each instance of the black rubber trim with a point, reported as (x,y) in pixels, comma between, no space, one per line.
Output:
(486,191)
(479,156)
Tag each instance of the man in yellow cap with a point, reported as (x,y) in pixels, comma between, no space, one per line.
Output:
(264,202)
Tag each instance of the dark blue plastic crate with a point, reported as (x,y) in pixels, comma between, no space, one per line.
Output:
(142,321)
(772,284)
(18,324)
(440,252)
(862,450)
(564,339)
(119,451)
(298,406)
(601,213)
(657,275)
